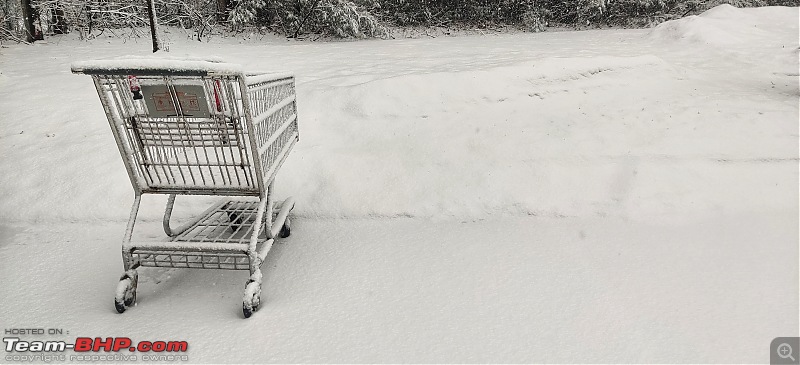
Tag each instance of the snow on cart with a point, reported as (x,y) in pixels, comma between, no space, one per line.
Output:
(200,128)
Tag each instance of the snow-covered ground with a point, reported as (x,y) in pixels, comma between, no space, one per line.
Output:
(599,196)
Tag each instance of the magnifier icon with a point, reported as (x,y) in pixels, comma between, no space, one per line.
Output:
(785,351)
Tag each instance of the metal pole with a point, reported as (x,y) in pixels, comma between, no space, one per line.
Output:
(151,12)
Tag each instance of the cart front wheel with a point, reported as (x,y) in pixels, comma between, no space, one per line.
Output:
(252,298)
(247,312)
(236,220)
(126,291)
(286,230)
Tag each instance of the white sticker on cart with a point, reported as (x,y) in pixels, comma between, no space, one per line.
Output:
(160,102)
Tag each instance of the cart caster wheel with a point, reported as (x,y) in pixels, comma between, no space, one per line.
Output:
(286,230)
(236,220)
(252,298)
(126,291)
(247,312)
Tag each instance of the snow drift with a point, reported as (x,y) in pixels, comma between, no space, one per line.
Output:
(761,36)
(726,25)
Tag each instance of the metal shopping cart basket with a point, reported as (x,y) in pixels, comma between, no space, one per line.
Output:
(200,128)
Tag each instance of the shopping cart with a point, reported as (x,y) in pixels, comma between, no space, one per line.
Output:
(200,128)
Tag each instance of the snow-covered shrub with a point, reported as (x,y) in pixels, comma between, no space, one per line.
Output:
(459,12)
(407,12)
(342,18)
(345,19)
(534,21)
(638,12)
(11,21)
(93,17)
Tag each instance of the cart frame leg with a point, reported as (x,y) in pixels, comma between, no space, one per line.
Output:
(127,259)
(128,282)
(184,227)
(264,220)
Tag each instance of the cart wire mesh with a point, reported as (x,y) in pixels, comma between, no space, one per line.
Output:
(198,135)
(216,241)
(274,110)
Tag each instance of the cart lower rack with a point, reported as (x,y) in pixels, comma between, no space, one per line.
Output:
(200,128)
